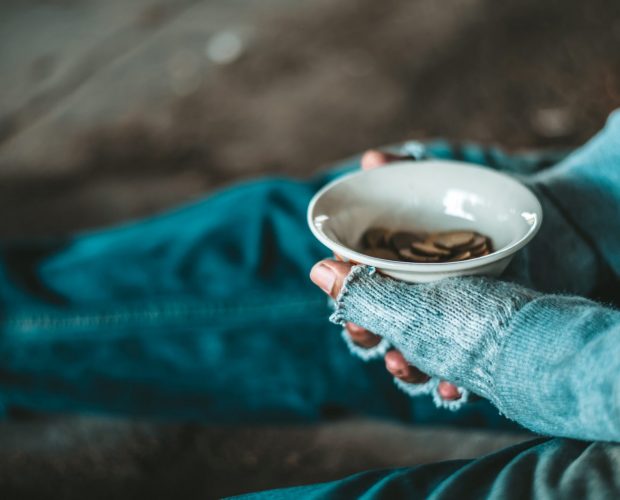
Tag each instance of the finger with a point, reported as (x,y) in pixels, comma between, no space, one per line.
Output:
(397,365)
(361,336)
(448,391)
(329,275)
(374,158)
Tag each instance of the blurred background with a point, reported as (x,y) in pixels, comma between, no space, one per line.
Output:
(118,109)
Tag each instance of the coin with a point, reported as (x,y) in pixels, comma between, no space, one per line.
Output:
(453,239)
(429,249)
(375,237)
(477,243)
(407,254)
(404,239)
(484,250)
(461,256)
(382,253)
(422,247)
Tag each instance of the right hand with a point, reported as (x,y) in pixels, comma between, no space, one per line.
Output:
(395,362)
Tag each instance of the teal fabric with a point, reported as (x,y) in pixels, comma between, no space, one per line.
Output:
(202,313)
(542,468)
(206,313)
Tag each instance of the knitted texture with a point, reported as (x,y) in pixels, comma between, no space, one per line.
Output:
(558,369)
(365,353)
(449,329)
(550,362)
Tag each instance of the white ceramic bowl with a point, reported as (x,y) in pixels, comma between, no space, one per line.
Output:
(432,195)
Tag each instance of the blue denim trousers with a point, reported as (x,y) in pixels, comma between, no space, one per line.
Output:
(207,313)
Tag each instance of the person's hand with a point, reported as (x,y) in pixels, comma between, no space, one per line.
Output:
(329,276)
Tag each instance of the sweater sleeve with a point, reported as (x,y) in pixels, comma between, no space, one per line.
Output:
(549,362)
(558,368)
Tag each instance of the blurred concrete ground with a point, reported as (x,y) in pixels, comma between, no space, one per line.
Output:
(111,110)
(96,458)
(115,109)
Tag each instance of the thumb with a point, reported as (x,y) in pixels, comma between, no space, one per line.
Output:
(329,275)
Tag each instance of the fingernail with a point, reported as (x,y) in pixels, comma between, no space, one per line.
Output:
(448,392)
(393,365)
(323,276)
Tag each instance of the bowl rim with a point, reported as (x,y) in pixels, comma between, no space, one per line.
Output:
(362,258)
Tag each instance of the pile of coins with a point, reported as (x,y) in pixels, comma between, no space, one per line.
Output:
(419,246)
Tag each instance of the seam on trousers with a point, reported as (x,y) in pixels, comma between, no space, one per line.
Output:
(152,313)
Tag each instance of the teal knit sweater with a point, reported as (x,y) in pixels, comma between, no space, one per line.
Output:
(545,357)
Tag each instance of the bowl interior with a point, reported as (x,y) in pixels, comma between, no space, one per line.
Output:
(429,195)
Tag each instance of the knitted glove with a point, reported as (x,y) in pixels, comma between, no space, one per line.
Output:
(550,362)
(450,329)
